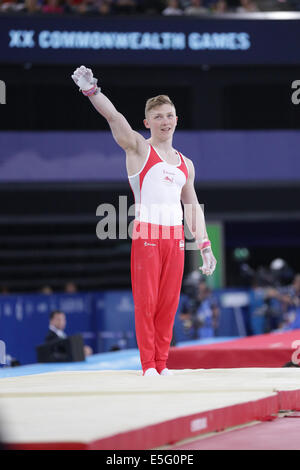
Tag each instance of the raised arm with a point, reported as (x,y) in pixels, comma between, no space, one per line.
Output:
(122,132)
(195,220)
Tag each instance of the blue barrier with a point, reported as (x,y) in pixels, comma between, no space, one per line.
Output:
(105,320)
(114,313)
(24,321)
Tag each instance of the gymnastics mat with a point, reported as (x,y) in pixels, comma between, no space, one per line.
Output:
(268,350)
(122,410)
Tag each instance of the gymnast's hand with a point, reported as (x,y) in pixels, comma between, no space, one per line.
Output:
(84,79)
(209,261)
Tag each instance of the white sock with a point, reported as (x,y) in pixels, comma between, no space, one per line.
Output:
(166,372)
(150,372)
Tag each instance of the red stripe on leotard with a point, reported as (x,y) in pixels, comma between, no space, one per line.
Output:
(183,166)
(152,160)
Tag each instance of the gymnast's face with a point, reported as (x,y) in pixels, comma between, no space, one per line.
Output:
(162,121)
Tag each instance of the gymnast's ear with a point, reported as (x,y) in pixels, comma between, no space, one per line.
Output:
(146,123)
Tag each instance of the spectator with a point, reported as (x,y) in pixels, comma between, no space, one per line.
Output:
(32,6)
(82,6)
(272,309)
(124,7)
(200,312)
(70,288)
(290,298)
(46,290)
(195,8)
(11,5)
(56,331)
(102,7)
(57,325)
(72,6)
(4,290)
(53,6)
(279,306)
(98,7)
(247,6)
(294,291)
(220,6)
(172,8)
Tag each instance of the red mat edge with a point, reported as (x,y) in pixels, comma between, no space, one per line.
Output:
(289,400)
(172,431)
(250,351)
(229,359)
(47,446)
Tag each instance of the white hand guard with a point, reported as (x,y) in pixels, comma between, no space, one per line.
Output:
(209,261)
(84,79)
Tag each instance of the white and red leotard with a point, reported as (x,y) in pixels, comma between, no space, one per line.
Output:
(157,255)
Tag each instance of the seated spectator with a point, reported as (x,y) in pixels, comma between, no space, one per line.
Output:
(172,8)
(220,6)
(124,7)
(70,6)
(247,6)
(46,290)
(53,6)
(4,290)
(102,7)
(80,6)
(93,7)
(32,6)
(70,288)
(57,325)
(56,331)
(11,5)
(200,312)
(196,8)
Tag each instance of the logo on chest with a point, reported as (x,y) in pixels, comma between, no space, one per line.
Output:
(168,177)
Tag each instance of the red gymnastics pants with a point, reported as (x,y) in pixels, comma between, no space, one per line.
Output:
(157,263)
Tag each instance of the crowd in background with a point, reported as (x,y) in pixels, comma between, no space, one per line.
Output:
(200,310)
(274,303)
(163,7)
(279,306)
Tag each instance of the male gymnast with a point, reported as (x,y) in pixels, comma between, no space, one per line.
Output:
(161,178)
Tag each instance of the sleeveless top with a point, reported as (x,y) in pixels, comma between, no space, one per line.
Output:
(157,190)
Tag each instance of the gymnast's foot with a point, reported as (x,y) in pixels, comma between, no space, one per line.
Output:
(166,372)
(151,372)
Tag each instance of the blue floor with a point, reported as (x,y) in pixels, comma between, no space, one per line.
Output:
(118,360)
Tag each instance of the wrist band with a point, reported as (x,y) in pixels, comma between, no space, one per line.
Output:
(94,90)
(205,243)
(91,91)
